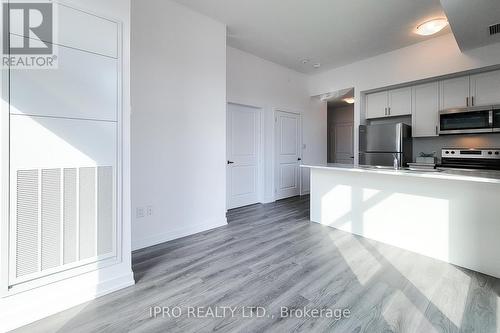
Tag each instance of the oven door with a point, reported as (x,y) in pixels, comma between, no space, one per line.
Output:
(466,121)
(496,118)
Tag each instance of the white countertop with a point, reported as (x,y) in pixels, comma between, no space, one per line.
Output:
(481,176)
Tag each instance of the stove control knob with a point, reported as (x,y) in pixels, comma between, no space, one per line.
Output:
(490,153)
(453,152)
(497,153)
(447,152)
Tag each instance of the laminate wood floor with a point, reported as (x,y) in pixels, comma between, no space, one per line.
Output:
(271,256)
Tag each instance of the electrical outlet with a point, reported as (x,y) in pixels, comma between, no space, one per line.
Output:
(140,213)
(149,210)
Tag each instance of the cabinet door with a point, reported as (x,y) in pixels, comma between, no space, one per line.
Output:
(376,105)
(454,93)
(399,102)
(425,109)
(485,88)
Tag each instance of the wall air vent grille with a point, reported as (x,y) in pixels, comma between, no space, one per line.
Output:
(63,216)
(495,29)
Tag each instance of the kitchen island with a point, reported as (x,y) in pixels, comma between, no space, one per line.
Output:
(450,215)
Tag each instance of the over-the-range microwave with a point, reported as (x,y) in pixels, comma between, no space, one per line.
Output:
(477,119)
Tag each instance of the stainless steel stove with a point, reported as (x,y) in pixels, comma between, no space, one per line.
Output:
(465,158)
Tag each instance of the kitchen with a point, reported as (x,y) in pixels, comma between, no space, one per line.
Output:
(283,154)
(428,178)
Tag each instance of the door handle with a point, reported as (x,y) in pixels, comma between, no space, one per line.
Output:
(299,159)
(230,162)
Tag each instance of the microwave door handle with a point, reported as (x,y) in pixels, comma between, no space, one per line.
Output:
(491,118)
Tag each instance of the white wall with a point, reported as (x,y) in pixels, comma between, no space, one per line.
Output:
(28,306)
(257,82)
(178,121)
(434,57)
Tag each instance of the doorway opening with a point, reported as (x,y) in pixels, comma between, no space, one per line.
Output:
(340,119)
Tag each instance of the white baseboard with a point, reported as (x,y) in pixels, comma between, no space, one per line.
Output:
(267,200)
(176,233)
(27,307)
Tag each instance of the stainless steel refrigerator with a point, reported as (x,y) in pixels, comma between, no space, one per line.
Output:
(379,145)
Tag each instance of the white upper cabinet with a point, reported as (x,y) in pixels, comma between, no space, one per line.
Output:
(390,103)
(376,105)
(454,93)
(425,101)
(485,88)
(399,102)
(425,108)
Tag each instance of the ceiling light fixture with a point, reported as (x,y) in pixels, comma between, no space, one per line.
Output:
(349,100)
(431,27)
(317,65)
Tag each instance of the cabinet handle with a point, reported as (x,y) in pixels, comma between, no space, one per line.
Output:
(437,131)
(388,111)
(472,98)
(466,101)
(385,112)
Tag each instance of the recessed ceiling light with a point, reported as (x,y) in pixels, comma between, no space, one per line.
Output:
(349,100)
(431,27)
(317,65)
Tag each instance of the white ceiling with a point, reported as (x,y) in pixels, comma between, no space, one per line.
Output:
(331,32)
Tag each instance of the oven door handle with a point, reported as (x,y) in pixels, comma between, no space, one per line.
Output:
(491,118)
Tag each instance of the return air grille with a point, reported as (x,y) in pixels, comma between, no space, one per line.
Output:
(495,29)
(51,218)
(62,217)
(27,223)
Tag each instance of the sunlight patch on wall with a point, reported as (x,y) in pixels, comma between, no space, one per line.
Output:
(383,221)
(336,207)
(369,193)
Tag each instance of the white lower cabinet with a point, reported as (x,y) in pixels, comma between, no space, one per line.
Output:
(425,108)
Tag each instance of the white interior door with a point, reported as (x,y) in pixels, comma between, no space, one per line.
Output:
(288,154)
(243,143)
(344,137)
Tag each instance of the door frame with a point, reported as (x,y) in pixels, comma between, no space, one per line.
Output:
(4,175)
(260,153)
(334,150)
(275,150)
